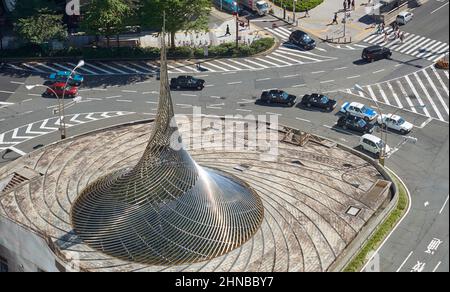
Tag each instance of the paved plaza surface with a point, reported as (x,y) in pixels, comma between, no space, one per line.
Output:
(306,193)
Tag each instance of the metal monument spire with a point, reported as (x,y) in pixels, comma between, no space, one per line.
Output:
(166,210)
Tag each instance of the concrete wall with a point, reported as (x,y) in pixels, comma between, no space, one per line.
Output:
(24,250)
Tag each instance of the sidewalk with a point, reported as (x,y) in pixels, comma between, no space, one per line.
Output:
(358,23)
(215,36)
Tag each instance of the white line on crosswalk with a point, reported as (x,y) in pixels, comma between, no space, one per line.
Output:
(417,96)
(176,69)
(83,69)
(410,44)
(113,68)
(257,64)
(202,65)
(184,66)
(372,94)
(428,96)
(95,67)
(428,49)
(129,68)
(278,60)
(33,68)
(232,67)
(218,67)
(383,95)
(287,58)
(436,73)
(242,64)
(297,53)
(406,96)
(268,62)
(394,94)
(438,94)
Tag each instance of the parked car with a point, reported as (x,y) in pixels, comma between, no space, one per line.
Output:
(357,109)
(373,144)
(355,124)
(61,76)
(404,17)
(396,123)
(302,39)
(276,96)
(187,82)
(58,89)
(374,53)
(319,101)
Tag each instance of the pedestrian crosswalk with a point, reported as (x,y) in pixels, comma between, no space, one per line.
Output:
(424,92)
(413,45)
(283,56)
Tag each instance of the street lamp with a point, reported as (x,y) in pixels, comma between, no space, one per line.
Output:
(359,88)
(62,126)
(81,63)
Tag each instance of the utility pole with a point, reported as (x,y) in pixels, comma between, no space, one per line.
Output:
(237,29)
(295,6)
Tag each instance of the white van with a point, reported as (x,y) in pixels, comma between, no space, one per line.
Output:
(404,17)
(373,144)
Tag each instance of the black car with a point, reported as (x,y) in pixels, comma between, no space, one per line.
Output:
(302,39)
(375,53)
(278,97)
(319,101)
(187,82)
(356,124)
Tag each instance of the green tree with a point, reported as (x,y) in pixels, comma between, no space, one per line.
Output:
(41,28)
(106,17)
(180,15)
(28,8)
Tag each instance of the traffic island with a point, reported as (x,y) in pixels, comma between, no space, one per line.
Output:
(317,195)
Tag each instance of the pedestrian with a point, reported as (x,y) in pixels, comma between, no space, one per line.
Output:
(345,5)
(353,4)
(385,36)
(349,3)
(382,27)
(402,36)
(227,33)
(335,19)
(306,12)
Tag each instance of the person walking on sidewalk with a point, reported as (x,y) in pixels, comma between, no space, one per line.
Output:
(402,36)
(345,5)
(349,3)
(353,5)
(227,33)
(335,19)
(306,12)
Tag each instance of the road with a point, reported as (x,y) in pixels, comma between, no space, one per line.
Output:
(407,82)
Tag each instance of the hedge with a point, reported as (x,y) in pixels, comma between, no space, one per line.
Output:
(301,4)
(223,50)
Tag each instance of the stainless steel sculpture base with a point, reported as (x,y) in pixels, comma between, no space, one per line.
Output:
(167,210)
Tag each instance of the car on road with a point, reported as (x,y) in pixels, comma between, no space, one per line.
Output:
(276,96)
(373,144)
(404,17)
(62,76)
(355,124)
(395,122)
(375,53)
(58,89)
(187,82)
(302,40)
(359,110)
(318,101)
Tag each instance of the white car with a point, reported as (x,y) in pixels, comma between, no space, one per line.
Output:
(404,17)
(374,145)
(359,110)
(396,123)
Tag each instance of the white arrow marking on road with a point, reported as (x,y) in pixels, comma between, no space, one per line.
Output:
(28,131)
(89,117)
(20,152)
(58,122)
(15,132)
(74,119)
(43,126)
(426,204)
(105,115)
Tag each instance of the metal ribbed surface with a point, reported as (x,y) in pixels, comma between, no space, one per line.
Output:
(167,210)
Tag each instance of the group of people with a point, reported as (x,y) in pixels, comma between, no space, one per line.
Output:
(349,4)
(397,34)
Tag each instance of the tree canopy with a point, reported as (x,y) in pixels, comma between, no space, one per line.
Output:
(180,15)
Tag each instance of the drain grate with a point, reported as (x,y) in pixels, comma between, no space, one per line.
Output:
(242,167)
(353,211)
(12,182)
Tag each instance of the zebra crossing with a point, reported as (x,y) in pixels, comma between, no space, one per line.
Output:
(413,45)
(283,56)
(425,92)
(24,133)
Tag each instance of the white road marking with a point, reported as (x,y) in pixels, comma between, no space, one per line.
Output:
(341,68)
(263,79)
(317,72)
(17,82)
(372,94)
(233,83)
(7,92)
(405,95)
(353,77)
(327,81)
(443,206)
(439,96)
(394,94)
(299,85)
(404,262)
(438,264)
(303,120)
(375,72)
(123,100)
(430,100)
(383,95)
(229,73)
(435,10)
(411,85)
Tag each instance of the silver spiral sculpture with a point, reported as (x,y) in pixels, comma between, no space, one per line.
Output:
(167,210)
